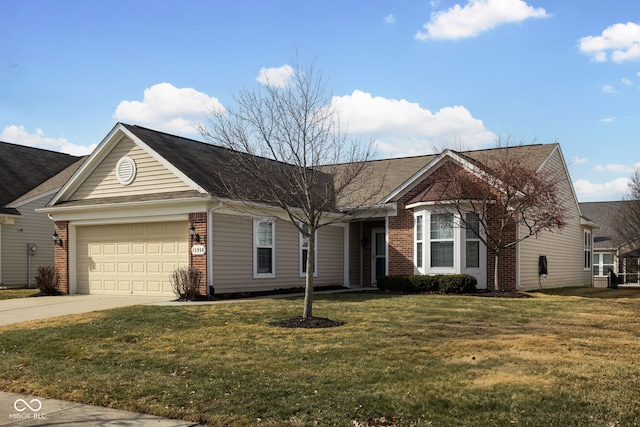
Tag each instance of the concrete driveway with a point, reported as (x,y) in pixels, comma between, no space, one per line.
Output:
(33,308)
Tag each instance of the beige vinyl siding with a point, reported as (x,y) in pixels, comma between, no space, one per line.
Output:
(330,255)
(30,227)
(232,237)
(564,250)
(151,176)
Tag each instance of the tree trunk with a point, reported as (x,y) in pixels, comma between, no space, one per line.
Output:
(308,291)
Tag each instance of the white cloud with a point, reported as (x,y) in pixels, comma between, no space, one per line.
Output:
(617,168)
(625,81)
(403,128)
(390,19)
(168,108)
(622,41)
(608,89)
(608,119)
(19,135)
(612,190)
(278,77)
(580,160)
(476,17)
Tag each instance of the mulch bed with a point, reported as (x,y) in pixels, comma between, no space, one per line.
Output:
(307,322)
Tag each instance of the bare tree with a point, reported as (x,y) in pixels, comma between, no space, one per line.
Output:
(627,219)
(504,192)
(287,150)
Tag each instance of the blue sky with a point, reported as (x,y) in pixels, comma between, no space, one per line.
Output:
(416,75)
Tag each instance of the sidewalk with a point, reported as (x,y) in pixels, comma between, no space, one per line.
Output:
(21,410)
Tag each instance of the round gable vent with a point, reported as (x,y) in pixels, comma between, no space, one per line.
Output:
(126,170)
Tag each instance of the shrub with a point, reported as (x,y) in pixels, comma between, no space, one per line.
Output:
(48,280)
(457,283)
(425,283)
(397,283)
(185,282)
(445,283)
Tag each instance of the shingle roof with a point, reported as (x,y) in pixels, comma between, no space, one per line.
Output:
(394,172)
(603,214)
(23,168)
(206,163)
(203,162)
(52,183)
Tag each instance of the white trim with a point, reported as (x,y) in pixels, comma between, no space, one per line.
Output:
(459,240)
(32,198)
(374,231)
(272,274)
(72,258)
(426,170)
(587,246)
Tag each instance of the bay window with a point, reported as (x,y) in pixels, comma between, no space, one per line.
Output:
(448,243)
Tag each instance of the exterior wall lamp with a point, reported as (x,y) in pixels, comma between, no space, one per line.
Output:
(56,239)
(192,232)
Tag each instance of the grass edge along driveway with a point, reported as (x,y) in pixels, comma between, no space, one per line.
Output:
(568,357)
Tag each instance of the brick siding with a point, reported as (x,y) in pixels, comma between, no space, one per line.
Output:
(199,221)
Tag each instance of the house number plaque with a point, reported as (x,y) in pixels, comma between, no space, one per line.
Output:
(198,250)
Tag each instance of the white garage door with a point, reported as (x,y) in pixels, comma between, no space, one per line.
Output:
(130,259)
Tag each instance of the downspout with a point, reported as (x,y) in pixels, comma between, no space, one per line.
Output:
(386,243)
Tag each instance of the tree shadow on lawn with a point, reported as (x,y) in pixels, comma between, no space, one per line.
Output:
(588,292)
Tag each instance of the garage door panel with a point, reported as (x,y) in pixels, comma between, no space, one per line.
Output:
(130,258)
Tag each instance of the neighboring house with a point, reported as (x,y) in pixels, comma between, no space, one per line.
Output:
(611,252)
(145,203)
(25,236)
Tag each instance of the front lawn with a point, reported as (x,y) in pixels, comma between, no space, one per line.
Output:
(398,360)
(17,293)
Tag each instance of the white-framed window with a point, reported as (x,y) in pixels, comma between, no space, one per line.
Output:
(264,248)
(419,239)
(442,246)
(587,249)
(602,264)
(472,240)
(446,243)
(304,251)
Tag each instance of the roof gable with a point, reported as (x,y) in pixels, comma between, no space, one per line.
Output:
(474,162)
(97,177)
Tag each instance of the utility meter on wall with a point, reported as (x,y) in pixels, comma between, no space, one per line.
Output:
(31,248)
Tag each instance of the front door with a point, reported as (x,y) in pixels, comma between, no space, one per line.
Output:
(379,256)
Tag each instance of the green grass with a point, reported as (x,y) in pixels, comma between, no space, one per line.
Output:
(565,358)
(17,293)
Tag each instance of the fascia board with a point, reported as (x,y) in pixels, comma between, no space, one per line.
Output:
(33,198)
(428,169)
(415,178)
(241,208)
(115,212)
(566,172)
(101,151)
